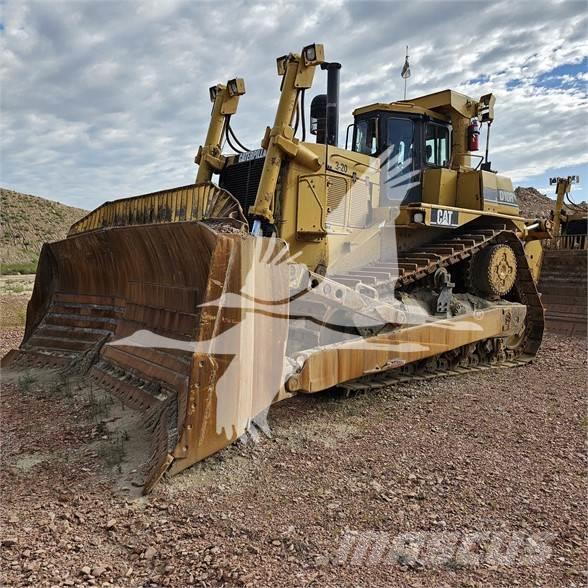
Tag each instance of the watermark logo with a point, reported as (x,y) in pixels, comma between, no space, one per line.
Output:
(458,549)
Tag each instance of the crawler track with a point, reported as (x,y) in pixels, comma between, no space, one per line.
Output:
(415,267)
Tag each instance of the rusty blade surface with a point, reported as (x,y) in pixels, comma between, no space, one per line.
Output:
(144,312)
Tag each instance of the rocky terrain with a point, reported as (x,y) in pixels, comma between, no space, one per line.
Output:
(26,222)
(533,203)
(496,458)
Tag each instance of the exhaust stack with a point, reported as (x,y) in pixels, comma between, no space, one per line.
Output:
(332,102)
(324,109)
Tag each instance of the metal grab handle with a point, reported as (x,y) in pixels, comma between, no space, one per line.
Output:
(373,293)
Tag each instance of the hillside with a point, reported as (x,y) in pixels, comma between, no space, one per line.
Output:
(26,222)
(532,203)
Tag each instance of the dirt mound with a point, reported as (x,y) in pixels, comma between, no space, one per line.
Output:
(532,203)
(26,222)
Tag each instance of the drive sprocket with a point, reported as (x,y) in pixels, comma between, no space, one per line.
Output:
(493,271)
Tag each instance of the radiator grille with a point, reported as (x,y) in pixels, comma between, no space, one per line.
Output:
(337,200)
(242,180)
(359,208)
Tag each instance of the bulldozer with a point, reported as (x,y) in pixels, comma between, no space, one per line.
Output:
(564,269)
(304,266)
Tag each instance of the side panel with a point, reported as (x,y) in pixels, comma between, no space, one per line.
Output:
(498,194)
(311,212)
(440,186)
(350,191)
(468,190)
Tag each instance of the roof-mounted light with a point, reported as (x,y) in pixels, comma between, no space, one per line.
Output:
(213,91)
(569,179)
(236,87)
(282,63)
(313,54)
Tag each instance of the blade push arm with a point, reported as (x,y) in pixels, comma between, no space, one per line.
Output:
(297,73)
(563,186)
(225,100)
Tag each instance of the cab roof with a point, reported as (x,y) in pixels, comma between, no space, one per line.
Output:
(404,107)
(439,105)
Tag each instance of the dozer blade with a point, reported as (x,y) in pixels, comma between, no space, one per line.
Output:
(141,310)
(563,287)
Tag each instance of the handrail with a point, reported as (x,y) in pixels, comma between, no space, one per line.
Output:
(576,242)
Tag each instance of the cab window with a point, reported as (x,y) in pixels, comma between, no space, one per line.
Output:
(436,145)
(399,143)
(366,136)
(400,173)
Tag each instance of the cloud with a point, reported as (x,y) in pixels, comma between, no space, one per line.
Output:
(108,99)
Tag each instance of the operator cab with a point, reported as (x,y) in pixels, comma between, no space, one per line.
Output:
(408,140)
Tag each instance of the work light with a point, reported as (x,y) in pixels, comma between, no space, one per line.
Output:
(282,62)
(236,87)
(313,54)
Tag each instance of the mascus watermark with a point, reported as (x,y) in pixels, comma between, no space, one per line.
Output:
(446,548)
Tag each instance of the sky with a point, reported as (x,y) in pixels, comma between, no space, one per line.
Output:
(105,99)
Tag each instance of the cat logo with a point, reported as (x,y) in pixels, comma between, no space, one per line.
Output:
(444,218)
(251,155)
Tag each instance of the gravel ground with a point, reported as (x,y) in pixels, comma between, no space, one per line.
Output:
(13,311)
(10,338)
(476,460)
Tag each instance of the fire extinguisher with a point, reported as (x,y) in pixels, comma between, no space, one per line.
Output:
(474,136)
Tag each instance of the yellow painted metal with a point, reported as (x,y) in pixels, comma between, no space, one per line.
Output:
(331,365)
(469,193)
(534,254)
(440,186)
(498,194)
(451,103)
(280,142)
(311,214)
(465,216)
(350,189)
(460,155)
(562,187)
(404,107)
(209,157)
(441,105)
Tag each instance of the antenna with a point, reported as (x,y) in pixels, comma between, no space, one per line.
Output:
(405,73)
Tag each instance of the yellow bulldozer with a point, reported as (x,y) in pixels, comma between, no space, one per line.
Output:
(564,269)
(304,266)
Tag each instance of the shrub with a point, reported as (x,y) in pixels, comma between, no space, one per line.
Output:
(14,269)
